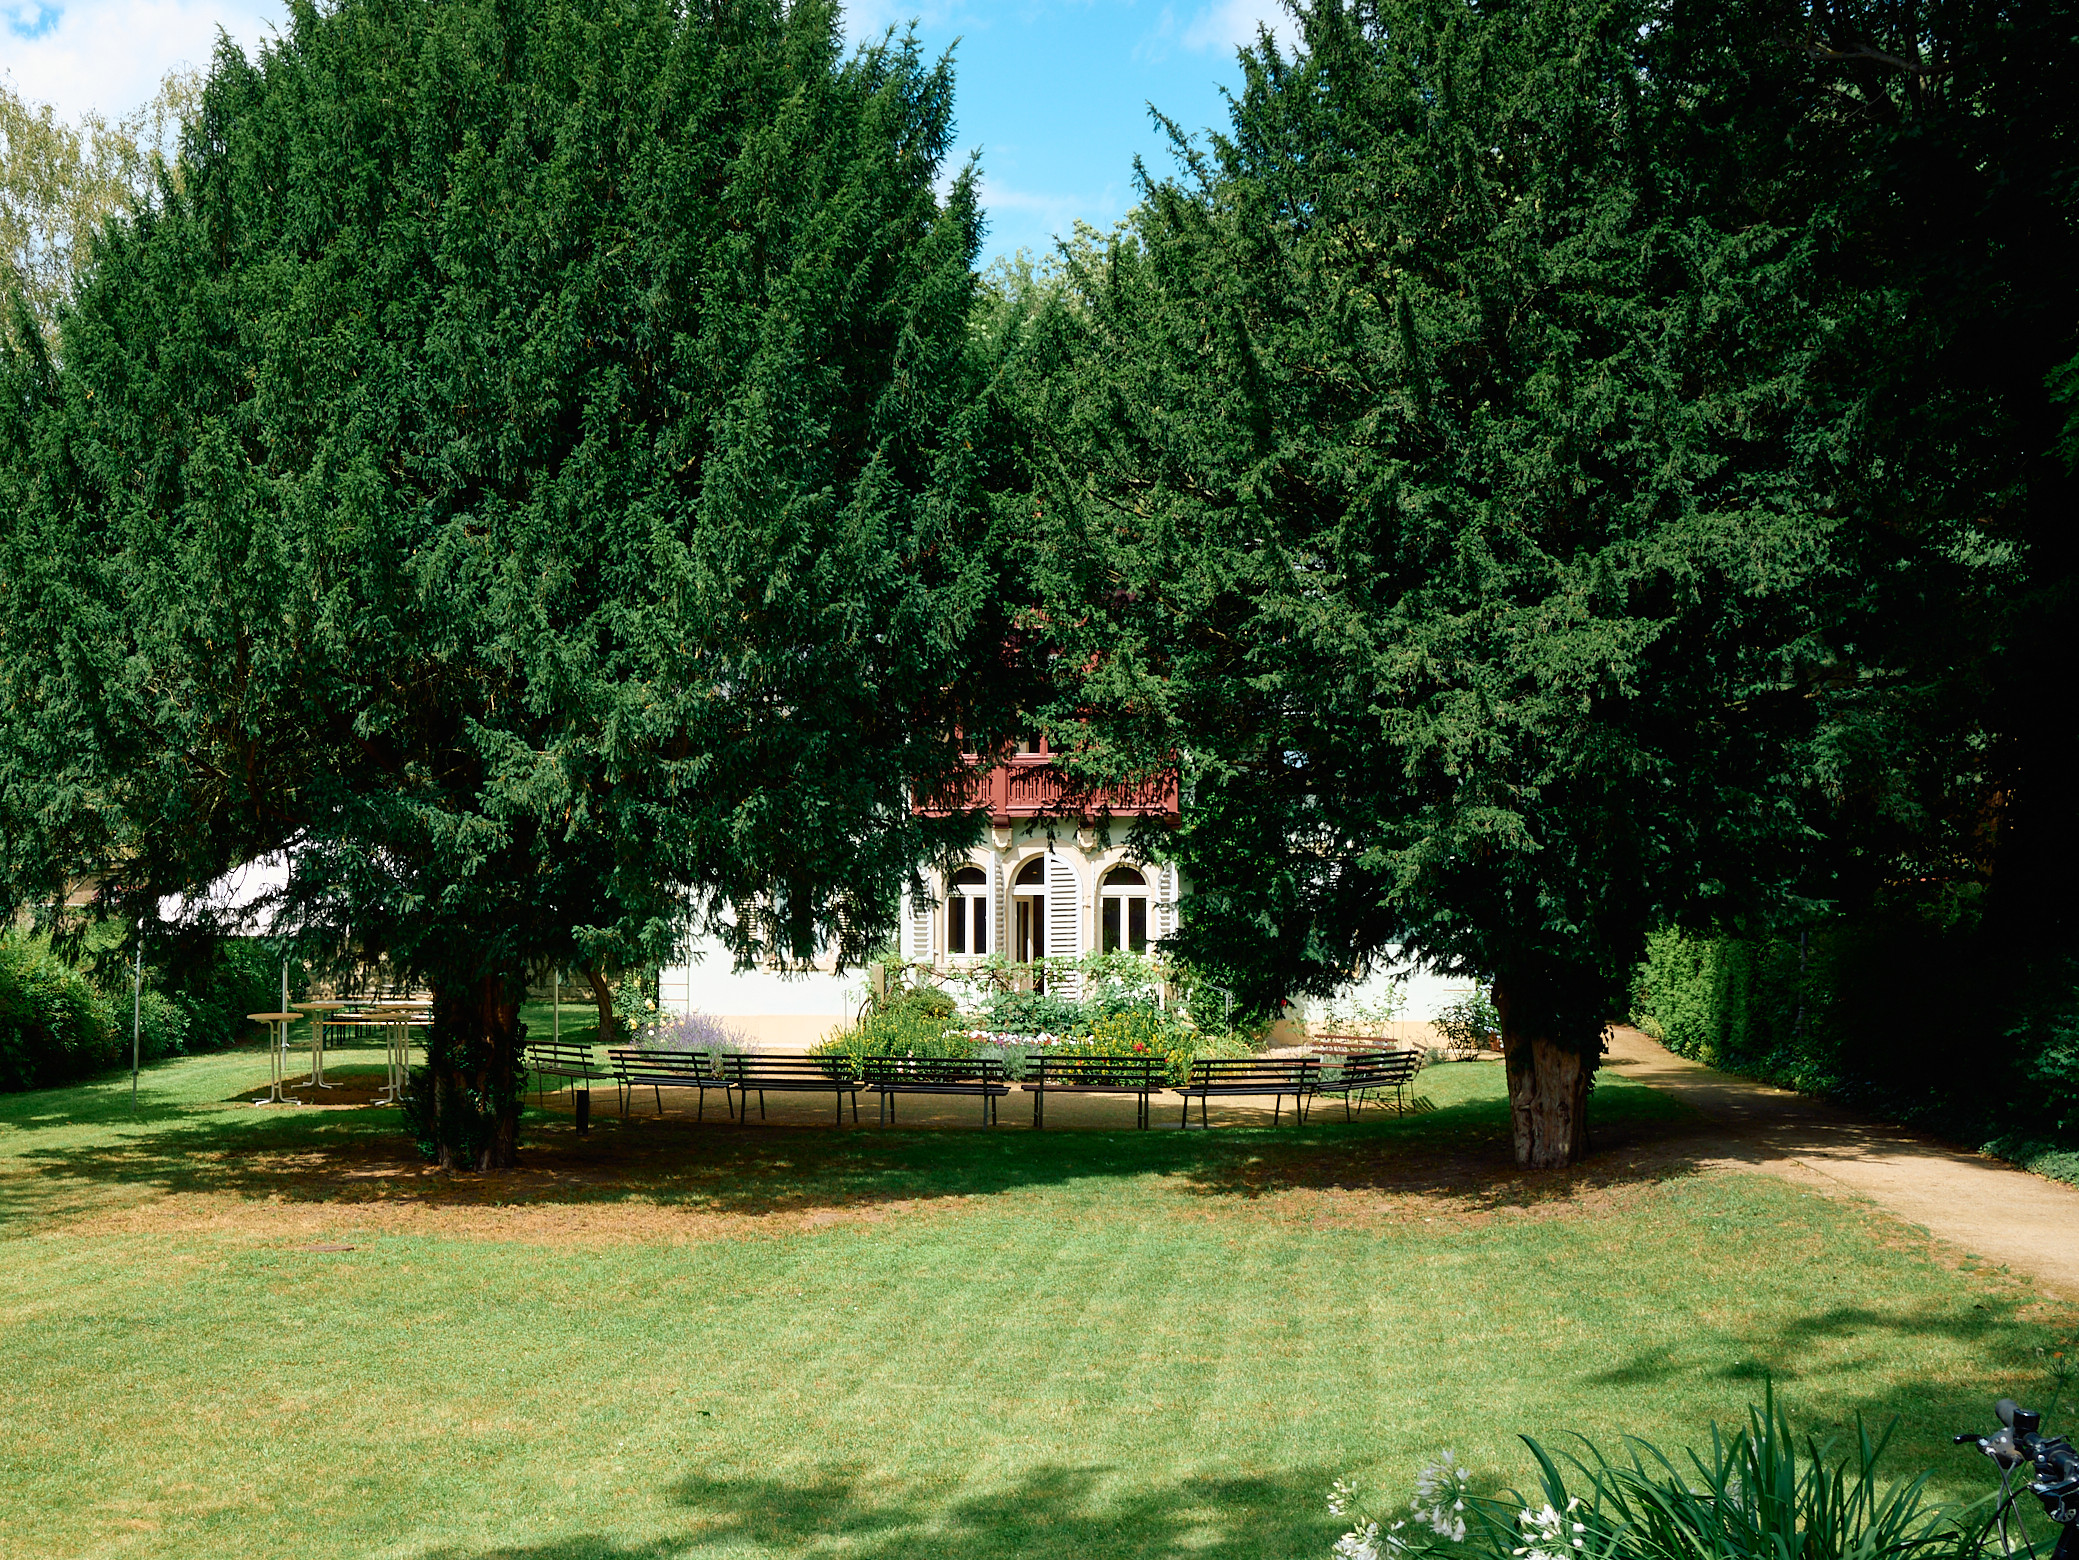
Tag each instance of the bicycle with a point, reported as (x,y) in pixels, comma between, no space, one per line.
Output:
(2020,1440)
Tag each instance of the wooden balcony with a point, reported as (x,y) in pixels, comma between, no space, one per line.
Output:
(1029,786)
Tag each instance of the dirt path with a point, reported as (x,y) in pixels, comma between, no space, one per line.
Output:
(1990,1209)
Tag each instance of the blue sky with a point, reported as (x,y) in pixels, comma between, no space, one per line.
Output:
(1053,94)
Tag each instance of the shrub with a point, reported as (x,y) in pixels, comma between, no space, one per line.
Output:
(699,1032)
(1471,1023)
(1868,1008)
(54,1026)
(913,1023)
(1031,1013)
(215,985)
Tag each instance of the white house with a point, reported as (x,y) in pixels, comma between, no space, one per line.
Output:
(1052,877)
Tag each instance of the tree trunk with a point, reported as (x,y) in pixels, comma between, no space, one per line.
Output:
(1548,1091)
(473,1066)
(603,999)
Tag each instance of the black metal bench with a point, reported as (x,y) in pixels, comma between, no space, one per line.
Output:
(572,1063)
(1276,1076)
(660,1070)
(759,1074)
(981,1076)
(1369,1072)
(1141,1075)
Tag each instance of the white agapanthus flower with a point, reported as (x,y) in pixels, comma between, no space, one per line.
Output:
(1440,1491)
(1548,1534)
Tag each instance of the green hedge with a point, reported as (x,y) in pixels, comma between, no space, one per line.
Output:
(1902,1010)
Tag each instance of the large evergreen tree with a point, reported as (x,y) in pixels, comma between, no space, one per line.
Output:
(1452,464)
(529,470)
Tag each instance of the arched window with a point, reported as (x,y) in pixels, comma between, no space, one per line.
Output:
(967,912)
(1125,897)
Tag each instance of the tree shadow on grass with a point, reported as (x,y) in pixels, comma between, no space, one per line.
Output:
(1052,1512)
(1459,1149)
(1783,1353)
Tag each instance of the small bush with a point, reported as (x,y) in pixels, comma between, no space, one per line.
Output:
(913,1023)
(1471,1023)
(54,1026)
(699,1032)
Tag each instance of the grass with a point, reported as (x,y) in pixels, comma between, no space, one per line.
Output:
(665,1339)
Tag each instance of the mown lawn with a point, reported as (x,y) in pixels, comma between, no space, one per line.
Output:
(667,1339)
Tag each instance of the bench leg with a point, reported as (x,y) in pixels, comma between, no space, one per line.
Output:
(659,1092)
(1039,1116)
(1277,1105)
(1185,1124)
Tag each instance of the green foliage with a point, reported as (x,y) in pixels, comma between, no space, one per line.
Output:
(59,182)
(64,1021)
(914,1022)
(1867,1008)
(1439,462)
(216,981)
(535,464)
(1762,1493)
(1470,1023)
(54,1026)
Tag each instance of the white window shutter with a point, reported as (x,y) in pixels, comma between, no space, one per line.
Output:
(999,913)
(920,931)
(1064,915)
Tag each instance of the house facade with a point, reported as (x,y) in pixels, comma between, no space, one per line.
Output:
(1051,877)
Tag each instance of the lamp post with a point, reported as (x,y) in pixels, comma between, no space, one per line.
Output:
(137,1016)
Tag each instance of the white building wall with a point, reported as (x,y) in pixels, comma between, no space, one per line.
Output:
(775,1012)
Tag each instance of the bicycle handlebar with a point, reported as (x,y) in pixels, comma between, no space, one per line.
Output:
(2020,1440)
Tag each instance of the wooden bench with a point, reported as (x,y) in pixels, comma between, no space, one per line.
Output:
(1276,1076)
(547,1059)
(753,1073)
(1141,1075)
(1367,1072)
(981,1076)
(660,1070)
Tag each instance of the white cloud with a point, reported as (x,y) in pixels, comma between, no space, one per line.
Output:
(1226,25)
(110,55)
(866,21)
(1049,205)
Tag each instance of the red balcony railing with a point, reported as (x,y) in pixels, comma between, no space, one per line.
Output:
(1029,786)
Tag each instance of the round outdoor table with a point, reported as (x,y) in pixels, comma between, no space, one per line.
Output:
(396,1024)
(317,1012)
(278,1052)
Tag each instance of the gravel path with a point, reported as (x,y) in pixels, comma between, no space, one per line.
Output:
(1991,1209)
